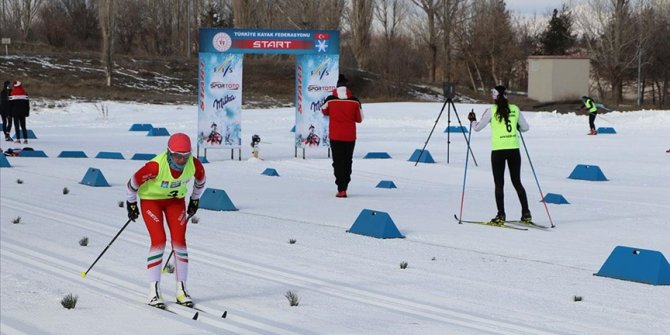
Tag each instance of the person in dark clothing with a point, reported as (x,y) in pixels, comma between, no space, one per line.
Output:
(505,119)
(344,111)
(590,105)
(19,110)
(4,110)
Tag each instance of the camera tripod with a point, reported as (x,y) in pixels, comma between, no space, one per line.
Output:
(448,102)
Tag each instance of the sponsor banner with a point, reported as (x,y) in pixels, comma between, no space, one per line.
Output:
(316,77)
(220,100)
(266,41)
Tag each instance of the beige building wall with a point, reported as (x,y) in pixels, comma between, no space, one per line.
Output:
(557,78)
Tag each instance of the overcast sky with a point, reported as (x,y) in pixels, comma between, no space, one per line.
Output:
(542,7)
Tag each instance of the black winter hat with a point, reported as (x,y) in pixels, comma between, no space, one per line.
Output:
(342,81)
(501,89)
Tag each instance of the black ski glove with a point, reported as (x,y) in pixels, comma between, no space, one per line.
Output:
(133,210)
(472,116)
(193,205)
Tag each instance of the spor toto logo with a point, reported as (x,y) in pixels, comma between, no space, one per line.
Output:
(219,85)
(222,42)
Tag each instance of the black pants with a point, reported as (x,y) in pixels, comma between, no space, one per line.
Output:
(343,153)
(6,124)
(513,159)
(19,124)
(592,120)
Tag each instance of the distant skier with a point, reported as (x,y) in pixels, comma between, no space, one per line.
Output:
(590,105)
(506,120)
(161,185)
(4,110)
(344,111)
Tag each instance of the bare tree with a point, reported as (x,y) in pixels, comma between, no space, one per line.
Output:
(450,17)
(360,21)
(243,13)
(23,13)
(390,14)
(429,31)
(611,40)
(106,16)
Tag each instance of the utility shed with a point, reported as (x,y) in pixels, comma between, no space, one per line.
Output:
(557,78)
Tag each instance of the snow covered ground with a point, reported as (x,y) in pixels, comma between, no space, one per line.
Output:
(460,279)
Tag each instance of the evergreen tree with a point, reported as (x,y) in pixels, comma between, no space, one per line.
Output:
(557,39)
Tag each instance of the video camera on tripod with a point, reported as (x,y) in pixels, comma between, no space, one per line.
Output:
(449,91)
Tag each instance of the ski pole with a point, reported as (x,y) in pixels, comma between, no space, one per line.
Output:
(172,251)
(465,174)
(604,119)
(167,261)
(536,181)
(83,274)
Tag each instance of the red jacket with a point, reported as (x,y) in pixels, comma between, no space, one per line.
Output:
(344,111)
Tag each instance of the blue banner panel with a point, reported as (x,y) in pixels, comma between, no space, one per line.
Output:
(220,100)
(316,78)
(269,41)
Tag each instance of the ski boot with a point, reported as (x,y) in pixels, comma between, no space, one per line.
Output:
(526,218)
(183,298)
(498,220)
(155,296)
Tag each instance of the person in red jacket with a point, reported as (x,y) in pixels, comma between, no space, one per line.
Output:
(19,109)
(344,111)
(161,186)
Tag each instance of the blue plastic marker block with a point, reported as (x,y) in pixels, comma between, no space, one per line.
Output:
(386,184)
(606,130)
(587,172)
(216,200)
(158,132)
(638,265)
(424,158)
(94,177)
(141,127)
(31,134)
(72,154)
(4,162)
(203,159)
(109,155)
(375,224)
(456,129)
(377,155)
(553,198)
(143,157)
(32,153)
(270,172)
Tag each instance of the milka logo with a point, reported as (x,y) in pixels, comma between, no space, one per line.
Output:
(227,66)
(221,102)
(322,69)
(316,105)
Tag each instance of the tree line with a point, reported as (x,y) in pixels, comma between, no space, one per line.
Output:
(474,43)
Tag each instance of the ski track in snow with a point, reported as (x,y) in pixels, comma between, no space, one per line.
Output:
(112,285)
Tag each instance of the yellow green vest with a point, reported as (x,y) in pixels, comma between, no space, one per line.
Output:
(591,105)
(503,135)
(164,186)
